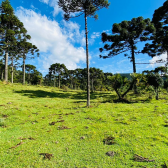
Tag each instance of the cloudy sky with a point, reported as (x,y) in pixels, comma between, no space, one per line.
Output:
(60,41)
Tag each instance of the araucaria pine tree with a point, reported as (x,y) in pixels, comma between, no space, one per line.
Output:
(27,50)
(88,8)
(159,44)
(125,37)
(9,28)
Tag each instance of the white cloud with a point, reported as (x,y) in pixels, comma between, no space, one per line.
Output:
(95,35)
(162,57)
(72,31)
(54,4)
(44,1)
(48,36)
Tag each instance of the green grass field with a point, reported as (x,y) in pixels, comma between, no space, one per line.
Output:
(44,127)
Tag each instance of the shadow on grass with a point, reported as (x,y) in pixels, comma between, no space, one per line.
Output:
(79,95)
(42,94)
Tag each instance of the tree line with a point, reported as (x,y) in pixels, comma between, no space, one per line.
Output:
(59,76)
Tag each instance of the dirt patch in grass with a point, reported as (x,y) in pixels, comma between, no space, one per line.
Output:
(17,145)
(109,140)
(53,123)
(63,127)
(139,158)
(47,155)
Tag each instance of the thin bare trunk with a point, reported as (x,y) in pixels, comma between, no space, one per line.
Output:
(23,70)
(71,84)
(119,96)
(12,72)
(157,93)
(133,59)
(92,86)
(134,67)
(29,77)
(6,65)
(59,81)
(131,86)
(167,63)
(2,75)
(54,80)
(87,63)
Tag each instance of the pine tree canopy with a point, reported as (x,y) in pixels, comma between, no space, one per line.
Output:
(81,6)
(126,35)
(160,38)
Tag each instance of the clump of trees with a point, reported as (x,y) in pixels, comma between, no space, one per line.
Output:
(14,43)
(59,76)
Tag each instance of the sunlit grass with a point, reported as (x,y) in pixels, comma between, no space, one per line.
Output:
(36,119)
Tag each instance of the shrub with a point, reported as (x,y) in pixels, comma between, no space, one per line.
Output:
(155,80)
(64,88)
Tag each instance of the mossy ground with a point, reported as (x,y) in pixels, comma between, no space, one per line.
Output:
(75,138)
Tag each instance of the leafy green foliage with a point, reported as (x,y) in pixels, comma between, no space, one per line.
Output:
(122,85)
(155,80)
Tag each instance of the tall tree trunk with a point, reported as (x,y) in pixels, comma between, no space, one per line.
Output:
(29,77)
(92,86)
(54,80)
(2,75)
(167,63)
(133,58)
(134,66)
(23,70)
(12,72)
(59,80)
(6,65)
(71,84)
(87,62)
(157,93)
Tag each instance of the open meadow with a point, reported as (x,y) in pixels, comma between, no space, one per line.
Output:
(44,127)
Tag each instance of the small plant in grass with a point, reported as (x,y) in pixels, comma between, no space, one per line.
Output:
(64,88)
(2,122)
(109,140)
(150,90)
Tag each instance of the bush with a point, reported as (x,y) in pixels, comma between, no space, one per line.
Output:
(64,88)
(155,80)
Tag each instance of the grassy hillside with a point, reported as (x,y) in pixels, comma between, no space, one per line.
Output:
(45,127)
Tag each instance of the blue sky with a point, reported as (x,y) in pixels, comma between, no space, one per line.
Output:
(60,41)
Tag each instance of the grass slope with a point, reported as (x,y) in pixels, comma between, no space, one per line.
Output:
(37,120)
